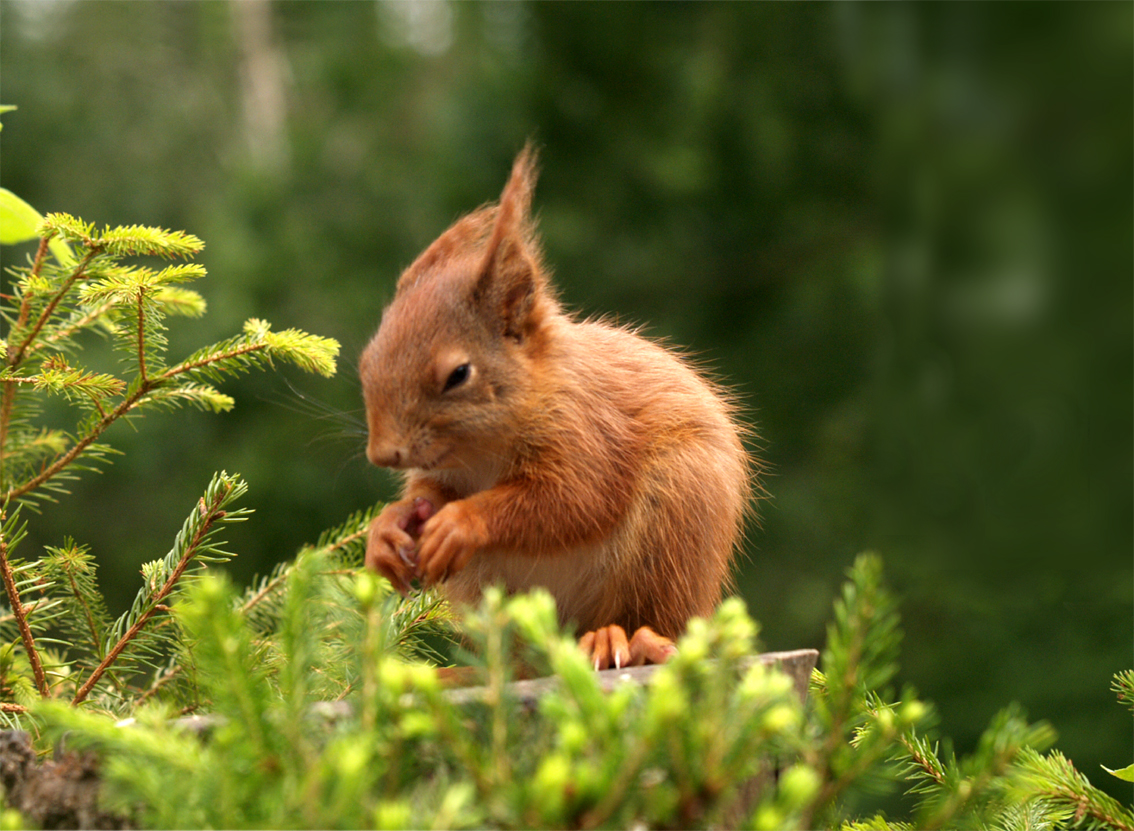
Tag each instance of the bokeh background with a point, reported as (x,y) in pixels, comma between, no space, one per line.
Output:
(902,232)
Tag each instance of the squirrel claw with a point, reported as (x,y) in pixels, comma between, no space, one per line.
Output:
(608,647)
(391,541)
(405,554)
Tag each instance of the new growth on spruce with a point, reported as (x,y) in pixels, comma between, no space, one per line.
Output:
(55,300)
(83,282)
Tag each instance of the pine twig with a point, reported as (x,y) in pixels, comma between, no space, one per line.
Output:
(17,355)
(76,325)
(159,683)
(264,591)
(144,389)
(20,614)
(1055,778)
(210,514)
(191,366)
(37,266)
(142,339)
(82,601)
(49,471)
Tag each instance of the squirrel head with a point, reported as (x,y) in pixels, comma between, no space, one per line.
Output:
(445,377)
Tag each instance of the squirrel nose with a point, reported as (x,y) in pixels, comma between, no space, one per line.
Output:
(387,455)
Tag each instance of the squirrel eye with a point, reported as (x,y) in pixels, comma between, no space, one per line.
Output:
(457,377)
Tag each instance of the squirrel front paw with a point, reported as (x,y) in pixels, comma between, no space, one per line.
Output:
(449,540)
(392,538)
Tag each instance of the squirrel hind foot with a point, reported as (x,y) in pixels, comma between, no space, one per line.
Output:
(608,647)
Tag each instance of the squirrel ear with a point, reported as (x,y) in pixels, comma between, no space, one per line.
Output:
(510,278)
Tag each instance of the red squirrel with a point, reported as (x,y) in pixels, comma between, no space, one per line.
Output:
(543,450)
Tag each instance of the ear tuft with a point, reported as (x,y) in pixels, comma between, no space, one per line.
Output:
(511,279)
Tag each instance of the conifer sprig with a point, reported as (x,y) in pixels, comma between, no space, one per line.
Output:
(72,570)
(55,300)
(194,545)
(11,532)
(80,280)
(860,658)
(1052,778)
(124,241)
(1123,686)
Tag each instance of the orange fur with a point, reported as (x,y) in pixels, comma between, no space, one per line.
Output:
(540,450)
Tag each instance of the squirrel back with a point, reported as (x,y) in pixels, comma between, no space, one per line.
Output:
(550,451)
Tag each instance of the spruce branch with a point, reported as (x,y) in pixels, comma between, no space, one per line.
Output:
(57,376)
(175,300)
(341,545)
(16,356)
(63,460)
(9,536)
(15,353)
(971,786)
(1052,777)
(124,241)
(202,396)
(88,609)
(37,267)
(77,322)
(1123,687)
(142,337)
(192,542)
(132,301)
(71,570)
(256,347)
(923,766)
(861,655)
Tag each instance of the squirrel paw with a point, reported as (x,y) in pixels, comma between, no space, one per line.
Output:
(448,541)
(392,538)
(609,648)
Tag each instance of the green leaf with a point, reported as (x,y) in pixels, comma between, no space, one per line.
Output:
(1126,774)
(19,221)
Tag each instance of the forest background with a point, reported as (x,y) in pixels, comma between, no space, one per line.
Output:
(902,232)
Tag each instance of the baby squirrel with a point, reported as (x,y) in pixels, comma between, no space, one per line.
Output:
(543,450)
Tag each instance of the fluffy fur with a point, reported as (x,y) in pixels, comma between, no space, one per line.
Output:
(541,450)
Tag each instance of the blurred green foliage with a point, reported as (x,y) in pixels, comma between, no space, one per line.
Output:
(904,232)
(315,722)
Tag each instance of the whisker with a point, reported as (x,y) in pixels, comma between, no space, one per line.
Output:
(346,463)
(334,436)
(316,409)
